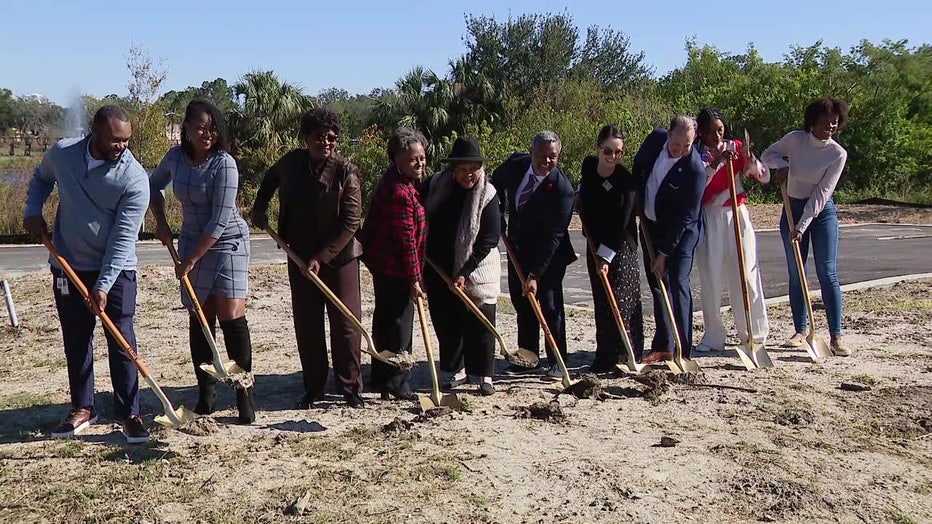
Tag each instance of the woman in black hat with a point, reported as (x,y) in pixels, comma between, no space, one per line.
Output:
(463,228)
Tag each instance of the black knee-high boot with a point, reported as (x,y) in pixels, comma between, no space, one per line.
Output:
(239,349)
(201,354)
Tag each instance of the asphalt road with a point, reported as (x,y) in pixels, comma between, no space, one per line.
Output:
(866,252)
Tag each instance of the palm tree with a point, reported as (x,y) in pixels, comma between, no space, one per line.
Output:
(267,112)
(420,100)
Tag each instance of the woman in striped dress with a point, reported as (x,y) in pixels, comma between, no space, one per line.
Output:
(463,228)
(213,243)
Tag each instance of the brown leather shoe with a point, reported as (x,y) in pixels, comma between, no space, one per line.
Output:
(135,430)
(78,420)
(656,357)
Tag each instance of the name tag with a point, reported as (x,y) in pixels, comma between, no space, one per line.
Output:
(62,284)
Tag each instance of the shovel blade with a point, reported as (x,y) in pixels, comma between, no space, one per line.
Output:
(821,348)
(176,419)
(223,373)
(674,367)
(631,367)
(426,403)
(762,358)
(746,357)
(451,401)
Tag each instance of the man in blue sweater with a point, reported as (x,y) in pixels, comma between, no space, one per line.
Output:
(103,195)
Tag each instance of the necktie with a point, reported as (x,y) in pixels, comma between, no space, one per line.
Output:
(528,191)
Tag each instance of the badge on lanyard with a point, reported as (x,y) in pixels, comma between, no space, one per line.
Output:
(61,283)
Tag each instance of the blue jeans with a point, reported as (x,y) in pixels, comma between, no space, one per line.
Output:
(823,232)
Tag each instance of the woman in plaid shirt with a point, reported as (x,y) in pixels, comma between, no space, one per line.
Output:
(213,243)
(393,238)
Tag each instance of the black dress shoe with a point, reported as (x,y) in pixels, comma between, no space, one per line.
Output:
(353,400)
(486,389)
(308,399)
(453,383)
(398,387)
(602,366)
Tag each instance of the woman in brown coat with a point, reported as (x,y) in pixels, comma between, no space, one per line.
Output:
(320,208)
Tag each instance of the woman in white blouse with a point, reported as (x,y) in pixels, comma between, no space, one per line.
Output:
(810,161)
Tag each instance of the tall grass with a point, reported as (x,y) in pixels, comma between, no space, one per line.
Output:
(13,206)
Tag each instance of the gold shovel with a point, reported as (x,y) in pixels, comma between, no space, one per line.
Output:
(632,365)
(173,418)
(548,336)
(752,357)
(449,400)
(815,346)
(679,364)
(521,357)
(384,356)
(217,368)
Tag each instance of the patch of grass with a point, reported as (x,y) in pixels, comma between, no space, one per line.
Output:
(72,448)
(24,400)
(865,379)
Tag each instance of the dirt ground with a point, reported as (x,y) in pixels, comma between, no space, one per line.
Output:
(788,444)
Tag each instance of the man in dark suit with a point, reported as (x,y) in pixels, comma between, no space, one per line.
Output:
(538,200)
(673,180)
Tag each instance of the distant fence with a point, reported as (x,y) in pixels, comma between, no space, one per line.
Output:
(27,143)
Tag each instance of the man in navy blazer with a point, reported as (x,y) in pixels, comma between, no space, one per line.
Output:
(538,200)
(673,180)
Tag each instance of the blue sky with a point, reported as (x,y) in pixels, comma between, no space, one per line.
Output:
(62,49)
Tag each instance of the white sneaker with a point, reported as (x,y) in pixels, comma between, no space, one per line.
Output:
(555,372)
(705,348)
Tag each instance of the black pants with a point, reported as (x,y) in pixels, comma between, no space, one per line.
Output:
(308,303)
(624,279)
(550,297)
(464,341)
(77,327)
(392,323)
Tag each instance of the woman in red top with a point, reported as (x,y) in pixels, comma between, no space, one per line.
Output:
(393,240)
(716,254)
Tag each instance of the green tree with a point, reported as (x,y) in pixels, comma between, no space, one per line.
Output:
(264,122)
(150,126)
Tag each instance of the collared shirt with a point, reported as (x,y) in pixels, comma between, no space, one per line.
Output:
(537,180)
(662,166)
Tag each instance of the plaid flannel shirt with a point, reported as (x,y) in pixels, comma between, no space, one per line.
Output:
(395,231)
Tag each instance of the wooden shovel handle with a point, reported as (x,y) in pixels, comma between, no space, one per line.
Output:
(668,307)
(469,304)
(428,347)
(739,243)
(800,267)
(189,289)
(535,305)
(105,320)
(612,302)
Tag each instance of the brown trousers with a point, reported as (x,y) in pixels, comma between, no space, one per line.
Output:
(308,303)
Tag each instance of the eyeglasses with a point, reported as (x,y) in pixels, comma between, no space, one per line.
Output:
(201,130)
(330,138)
(612,152)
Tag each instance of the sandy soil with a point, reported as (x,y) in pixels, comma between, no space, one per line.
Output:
(789,444)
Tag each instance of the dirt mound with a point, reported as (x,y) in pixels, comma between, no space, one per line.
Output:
(589,386)
(549,411)
(794,417)
(397,426)
(201,427)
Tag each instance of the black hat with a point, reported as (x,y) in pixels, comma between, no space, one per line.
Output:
(465,149)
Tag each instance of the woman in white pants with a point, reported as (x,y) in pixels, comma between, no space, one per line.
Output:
(716,254)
